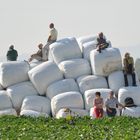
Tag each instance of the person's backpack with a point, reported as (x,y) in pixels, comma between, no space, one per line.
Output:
(129,102)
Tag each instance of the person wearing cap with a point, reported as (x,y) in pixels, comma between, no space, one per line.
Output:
(51,39)
(111,103)
(12,54)
(129,68)
(38,55)
(101,42)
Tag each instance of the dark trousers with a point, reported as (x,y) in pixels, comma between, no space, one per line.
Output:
(112,113)
(133,79)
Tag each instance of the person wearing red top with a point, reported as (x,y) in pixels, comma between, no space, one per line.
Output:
(98,105)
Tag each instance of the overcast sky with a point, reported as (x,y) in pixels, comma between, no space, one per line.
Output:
(24,23)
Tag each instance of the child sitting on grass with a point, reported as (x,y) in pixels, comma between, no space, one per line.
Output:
(98,105)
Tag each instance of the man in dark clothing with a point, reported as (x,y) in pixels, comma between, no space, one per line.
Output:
(101,42)
(12,54)
(129,69)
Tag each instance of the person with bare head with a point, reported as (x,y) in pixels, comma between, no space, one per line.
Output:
(101,42)
(12,54)
(111,104)
(129,68)
(98,105)
(38,55)
(51,39)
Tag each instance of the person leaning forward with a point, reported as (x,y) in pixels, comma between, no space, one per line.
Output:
(38,55)
(101,42)
(51,39)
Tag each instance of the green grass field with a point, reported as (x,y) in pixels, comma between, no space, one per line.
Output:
(25,128)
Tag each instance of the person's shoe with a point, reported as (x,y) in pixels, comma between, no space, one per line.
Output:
(134,85)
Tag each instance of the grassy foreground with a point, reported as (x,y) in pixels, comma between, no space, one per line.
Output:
(25,128)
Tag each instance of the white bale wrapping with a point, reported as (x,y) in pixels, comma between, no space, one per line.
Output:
(137,67)
(5,101)
(116,80)
(75,67)
(88,82)
(89,96)
(65,49)
(44,75)
(32,113)
(19,91)
(13,72)
(131,111)
(61,86)
(67,99)
(106,62)
(9,111)
(133,92)
(74,112)
(37,103)
(34,64)
(85,39)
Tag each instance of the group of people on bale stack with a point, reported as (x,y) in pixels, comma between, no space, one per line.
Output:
(111,102)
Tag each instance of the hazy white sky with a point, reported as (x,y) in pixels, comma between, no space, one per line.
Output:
(24,23)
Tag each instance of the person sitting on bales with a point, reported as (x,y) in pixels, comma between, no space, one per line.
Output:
(12,54)
(38,55)
(98,105)
(51,39)
(129,69)
(101,42)
(111,103)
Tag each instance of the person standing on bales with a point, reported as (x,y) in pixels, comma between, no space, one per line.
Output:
(51,39)
(98,105)
(38,55)
(129,69)
(12,54)
(101,42)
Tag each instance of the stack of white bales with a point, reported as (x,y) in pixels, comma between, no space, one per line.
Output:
(134,93)
(67,54)
(11,74)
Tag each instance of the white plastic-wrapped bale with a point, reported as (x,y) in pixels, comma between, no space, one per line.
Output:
(88,47)
(133,92)
(89,96)
(66,100)
(61,86)
(5,102)
(106,62)
(32,113)
(65,49)
(116,80)
(65,112)
(37,103)
(137,67)
(13,72)
(10,111)
(34,64)
(44,75)
(131,111)
(19,91)
(75,67)
(85,39)
(88,82)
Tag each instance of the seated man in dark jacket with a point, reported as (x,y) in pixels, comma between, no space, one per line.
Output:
(101,42)
(12,54)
